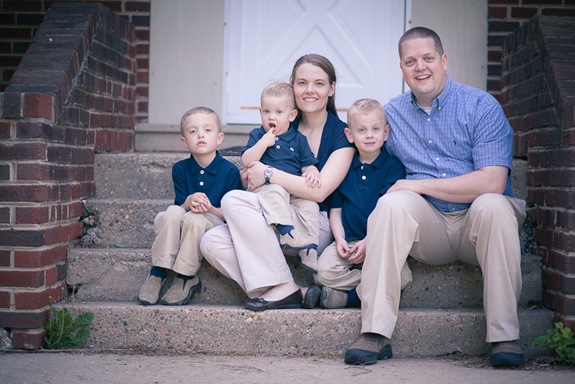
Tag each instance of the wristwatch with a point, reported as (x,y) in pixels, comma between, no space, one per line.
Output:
(268,172)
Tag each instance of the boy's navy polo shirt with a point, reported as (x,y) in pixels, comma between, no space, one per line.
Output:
(363,185)
(290,153)
(218,178)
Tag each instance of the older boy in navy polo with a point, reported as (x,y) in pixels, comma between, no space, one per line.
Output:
(200,182)
(371,174)
(279,145)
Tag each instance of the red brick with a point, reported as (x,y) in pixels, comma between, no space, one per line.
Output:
(5,302)
(22,151)
(5,215)
(28,339)
(41,298)
(55,274)
(28,279)
(32,215)
(497,12)
(5,258)
(40,105)
(5,129)
(523,12)
(40,257)
(37,130)
(31,193)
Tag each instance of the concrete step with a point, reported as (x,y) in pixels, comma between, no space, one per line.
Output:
(116,274)
(166,138)
(140,176)
(232,330)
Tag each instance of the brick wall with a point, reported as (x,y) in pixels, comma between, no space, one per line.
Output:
(505,16)
(538,96)
(20,19)
(72,94)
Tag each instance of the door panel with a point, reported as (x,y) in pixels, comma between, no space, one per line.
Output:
(265,37)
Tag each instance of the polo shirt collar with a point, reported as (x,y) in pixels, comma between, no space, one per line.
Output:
(212,168)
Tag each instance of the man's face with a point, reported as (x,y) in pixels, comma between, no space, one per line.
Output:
(424,70)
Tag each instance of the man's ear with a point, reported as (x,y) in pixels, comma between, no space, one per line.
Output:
(183,141)
(348,134)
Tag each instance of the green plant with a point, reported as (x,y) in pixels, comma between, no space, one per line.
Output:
(63,331)
(560,341)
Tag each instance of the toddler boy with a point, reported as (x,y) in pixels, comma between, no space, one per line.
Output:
(278,145)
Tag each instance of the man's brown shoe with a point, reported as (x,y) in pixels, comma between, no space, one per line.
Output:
(150,291)
(506,354)
(368,349)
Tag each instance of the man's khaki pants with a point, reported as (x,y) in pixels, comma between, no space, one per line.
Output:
(487,234)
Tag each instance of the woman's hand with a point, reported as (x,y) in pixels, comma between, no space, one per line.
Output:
(254,174)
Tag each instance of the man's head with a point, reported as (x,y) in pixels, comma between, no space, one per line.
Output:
(423,63)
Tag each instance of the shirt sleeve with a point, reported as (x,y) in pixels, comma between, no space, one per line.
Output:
(179,181)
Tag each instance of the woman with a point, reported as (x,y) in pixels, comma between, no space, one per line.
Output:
(247,248)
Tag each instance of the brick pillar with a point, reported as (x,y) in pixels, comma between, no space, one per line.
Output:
(72,94)
(538,99)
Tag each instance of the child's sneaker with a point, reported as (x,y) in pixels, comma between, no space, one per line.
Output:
(308,258)
(181,291)
(150,291)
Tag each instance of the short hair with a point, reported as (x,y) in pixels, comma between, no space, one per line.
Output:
(363,106)
(279,89)
(325,65)
(195,110)
(421,33)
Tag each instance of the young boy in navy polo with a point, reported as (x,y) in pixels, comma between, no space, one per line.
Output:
(278,145)
(373,171)
(200,182)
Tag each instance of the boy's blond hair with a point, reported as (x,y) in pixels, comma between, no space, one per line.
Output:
(195,110)
(279,89)
(363,106)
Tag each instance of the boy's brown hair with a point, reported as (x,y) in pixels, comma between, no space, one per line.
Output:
(195,110)
(363,106)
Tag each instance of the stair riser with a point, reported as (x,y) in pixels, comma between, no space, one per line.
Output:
(138,176)
(235,331)
(112,275)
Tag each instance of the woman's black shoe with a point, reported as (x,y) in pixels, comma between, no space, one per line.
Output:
(292,301)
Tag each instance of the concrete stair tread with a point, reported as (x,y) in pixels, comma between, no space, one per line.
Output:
(231,329)
(116,274)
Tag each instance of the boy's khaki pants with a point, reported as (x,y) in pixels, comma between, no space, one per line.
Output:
(487,234)
(178,235)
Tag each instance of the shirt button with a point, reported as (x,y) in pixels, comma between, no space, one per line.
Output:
(202,172)
(443,174)
(201,183)
(437,159)
(363,177)
(430,141)
(278,146)
(428,119)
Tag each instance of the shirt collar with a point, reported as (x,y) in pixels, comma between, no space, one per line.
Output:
(212,168)
(441,99)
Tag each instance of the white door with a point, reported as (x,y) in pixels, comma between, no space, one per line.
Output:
(264,38)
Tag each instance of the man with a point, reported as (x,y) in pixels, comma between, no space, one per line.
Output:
(456,203)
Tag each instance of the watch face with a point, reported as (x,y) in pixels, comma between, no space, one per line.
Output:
(268,172)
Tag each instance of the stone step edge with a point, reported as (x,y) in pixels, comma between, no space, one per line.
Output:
(232,330)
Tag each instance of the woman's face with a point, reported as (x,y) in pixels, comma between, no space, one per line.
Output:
(312,88)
